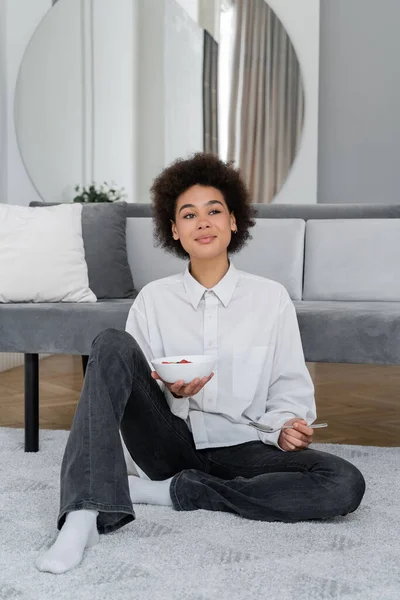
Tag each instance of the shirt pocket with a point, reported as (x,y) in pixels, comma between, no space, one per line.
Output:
(247,370)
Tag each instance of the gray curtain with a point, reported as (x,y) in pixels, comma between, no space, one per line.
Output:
(210,94)
(266,103)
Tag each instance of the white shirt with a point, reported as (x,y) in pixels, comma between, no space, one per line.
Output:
(249,323)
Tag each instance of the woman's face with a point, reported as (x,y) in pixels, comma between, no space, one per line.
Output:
(203,223)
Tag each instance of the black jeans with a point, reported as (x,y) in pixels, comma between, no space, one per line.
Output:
(253,480)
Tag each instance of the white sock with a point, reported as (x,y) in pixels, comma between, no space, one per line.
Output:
(78,532)
(144,491)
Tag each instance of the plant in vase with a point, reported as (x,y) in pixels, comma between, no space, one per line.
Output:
(99,193)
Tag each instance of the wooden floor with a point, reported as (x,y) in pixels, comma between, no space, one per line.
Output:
(361,403)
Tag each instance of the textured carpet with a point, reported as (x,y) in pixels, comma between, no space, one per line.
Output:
(169,555)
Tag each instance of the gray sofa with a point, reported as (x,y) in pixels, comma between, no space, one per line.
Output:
(339,263)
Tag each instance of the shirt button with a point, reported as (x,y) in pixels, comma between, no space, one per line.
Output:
(209,400)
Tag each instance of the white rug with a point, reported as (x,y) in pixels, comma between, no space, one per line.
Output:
(200,555)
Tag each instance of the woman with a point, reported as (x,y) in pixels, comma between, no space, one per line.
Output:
(194,441)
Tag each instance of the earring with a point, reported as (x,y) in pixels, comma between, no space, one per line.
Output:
(235,230)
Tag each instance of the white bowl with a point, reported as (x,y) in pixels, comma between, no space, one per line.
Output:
(199,366)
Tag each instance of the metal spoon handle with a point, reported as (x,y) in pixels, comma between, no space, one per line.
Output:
(269,430)
(315,426)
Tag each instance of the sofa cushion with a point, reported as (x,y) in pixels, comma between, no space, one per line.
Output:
(104,237)
(347,332)
(57,327)
(42,257)
(350,332)
(356,259)
(148,262)
(276,252)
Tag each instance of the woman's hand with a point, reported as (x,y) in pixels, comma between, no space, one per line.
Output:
(298,438)
(180,389)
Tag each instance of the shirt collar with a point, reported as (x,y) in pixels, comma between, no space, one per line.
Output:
(223,290)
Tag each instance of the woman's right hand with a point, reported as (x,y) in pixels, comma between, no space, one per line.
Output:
(180,389)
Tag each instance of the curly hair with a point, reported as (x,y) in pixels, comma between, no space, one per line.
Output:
(200,169)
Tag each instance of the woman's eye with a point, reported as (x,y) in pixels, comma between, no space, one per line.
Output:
(190,215)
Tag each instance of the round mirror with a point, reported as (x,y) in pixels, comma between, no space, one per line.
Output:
(261,97)
(116,91)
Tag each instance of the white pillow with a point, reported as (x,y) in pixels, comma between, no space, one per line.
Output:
(42,256)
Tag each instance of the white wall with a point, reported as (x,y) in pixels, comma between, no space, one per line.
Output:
(205,13)
(191,7)
(115,84)
(183,81)
(22,18)
(150,129)
(170,95)
(3,105)
(209,11)
(359,133)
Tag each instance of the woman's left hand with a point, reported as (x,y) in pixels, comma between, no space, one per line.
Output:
(298,438)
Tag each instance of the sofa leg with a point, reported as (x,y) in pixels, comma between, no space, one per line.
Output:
(85,359)
(31,402)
